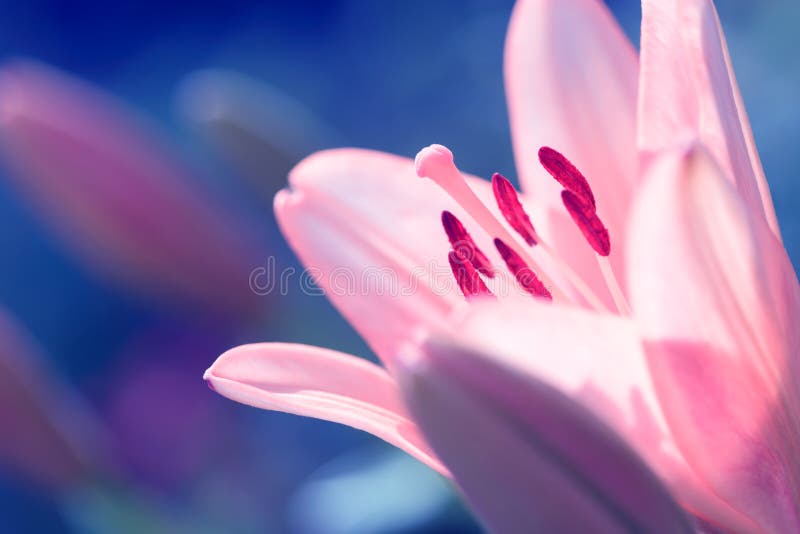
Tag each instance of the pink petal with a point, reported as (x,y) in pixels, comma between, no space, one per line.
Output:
(47,433)
(687,88)
(718,304)
(369,229)
(107,186)
(527,458)
(597,360)
(571,83)
(319,383)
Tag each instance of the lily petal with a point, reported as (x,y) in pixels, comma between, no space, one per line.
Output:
(106,185)
(687,88)
(325,384)
(528,458)
(598,360)
(369,230)
(571,84)
(718,305)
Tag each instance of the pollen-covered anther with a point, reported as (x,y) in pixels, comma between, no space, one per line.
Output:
(567,175)
(467,277)
(521,271)
(462,242)
(589,223)
(511,208)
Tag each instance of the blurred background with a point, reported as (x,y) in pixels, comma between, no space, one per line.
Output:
(107,316)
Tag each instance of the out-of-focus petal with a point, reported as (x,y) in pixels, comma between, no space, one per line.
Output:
(527,457)
(106,184)
(260,131)
(166,427)
(718,304)
(47,434)
(571,84)
(320,383)
(369,230)
(687,88)
(597,360)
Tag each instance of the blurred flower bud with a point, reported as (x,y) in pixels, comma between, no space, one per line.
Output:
(261,132)
(109,187)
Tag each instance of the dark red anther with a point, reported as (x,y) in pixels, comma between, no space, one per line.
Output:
(524,274)
(587,220)
(463,243)
(511,208)
(567,175)
(469,281)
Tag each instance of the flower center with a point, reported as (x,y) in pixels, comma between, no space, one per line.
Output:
(469,263)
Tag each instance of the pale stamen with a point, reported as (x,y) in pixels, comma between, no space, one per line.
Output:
(516,216)
(436,162)
(613,285)
(579,201)
(574,278)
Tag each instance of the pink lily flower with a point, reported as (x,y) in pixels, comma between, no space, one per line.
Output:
(103,181)
(654,340)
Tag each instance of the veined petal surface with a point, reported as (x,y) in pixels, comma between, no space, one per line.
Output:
(718,304)
(369,231)
(597,360)
(320,383)
(687,89)
(526,456)
(571,84)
